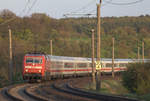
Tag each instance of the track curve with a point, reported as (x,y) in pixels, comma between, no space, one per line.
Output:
(66,88)
(20,93)
(55,90)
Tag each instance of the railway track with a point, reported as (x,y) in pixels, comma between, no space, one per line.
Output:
(20,93)
(51,92)
(96,96)
(56,90)
(67,90)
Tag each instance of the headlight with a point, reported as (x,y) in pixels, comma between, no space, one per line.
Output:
(39,70)
(38,67)
(26,70)
(27,66)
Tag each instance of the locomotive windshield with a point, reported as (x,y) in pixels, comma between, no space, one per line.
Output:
(34,60)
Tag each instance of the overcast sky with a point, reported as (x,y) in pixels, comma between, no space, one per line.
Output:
(56,8)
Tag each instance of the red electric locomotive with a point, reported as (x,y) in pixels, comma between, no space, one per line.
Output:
(34,66)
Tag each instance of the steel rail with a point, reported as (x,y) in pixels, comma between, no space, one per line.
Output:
(67,88)
(34,96)
(9,96)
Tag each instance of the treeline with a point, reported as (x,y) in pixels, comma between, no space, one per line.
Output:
(71,36)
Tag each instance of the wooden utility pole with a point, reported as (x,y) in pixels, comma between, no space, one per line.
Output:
(10,57)
(138,54)
(98,32)
(51,47)
(113,75)
(143,51)
(35,43)
(93,61)
(98,72)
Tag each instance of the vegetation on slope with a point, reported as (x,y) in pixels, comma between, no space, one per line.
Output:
(136,79)
(71,37)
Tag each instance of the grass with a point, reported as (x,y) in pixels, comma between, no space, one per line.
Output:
(109,86)
(145,97)
(7,83)
(115,87)
(16,80)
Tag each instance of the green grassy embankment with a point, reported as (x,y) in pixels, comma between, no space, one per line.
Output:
(115,87)
(17,79)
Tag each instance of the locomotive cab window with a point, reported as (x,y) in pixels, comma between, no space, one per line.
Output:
(29,60)
(39,61)
(34,60)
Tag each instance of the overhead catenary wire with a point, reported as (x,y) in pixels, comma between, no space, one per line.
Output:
(89,8)
(33,4)
(84,7)
(23,11)
(106,2)
(94,10)
(127,3)
(8,21)
(80,11)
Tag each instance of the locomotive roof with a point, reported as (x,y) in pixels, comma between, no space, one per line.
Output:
(34,55)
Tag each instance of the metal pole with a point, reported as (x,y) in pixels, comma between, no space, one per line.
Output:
(93,64)
(143,51)
(10,57)
(98,72)
(113,75)
(51,47)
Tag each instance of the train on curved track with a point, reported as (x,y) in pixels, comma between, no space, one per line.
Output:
(44,67)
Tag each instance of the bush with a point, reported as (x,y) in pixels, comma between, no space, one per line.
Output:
(137,78)
(18,77)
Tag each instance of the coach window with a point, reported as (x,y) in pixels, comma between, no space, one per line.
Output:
(108,64)
(122,65)
(90,64)
(59,64)
(53,64)
(56,64)
(115,65)
(103,65)
(68,65)
(82,65)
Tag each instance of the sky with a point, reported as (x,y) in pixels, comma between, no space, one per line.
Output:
(57,8)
